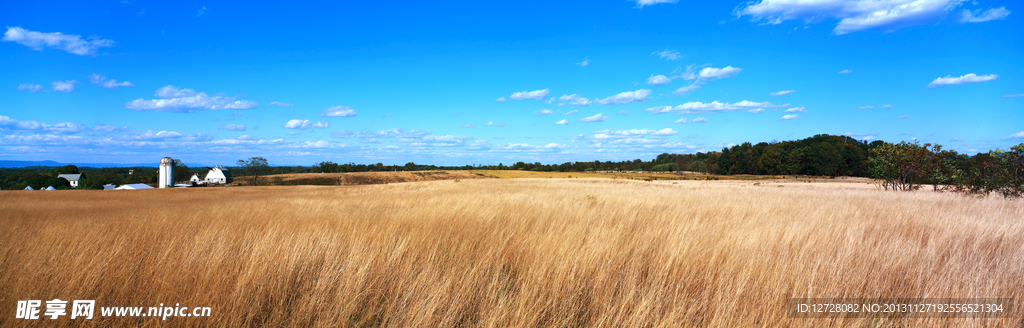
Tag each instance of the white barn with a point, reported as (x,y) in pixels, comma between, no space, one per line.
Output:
(218,174)
(195,179)
(72,178)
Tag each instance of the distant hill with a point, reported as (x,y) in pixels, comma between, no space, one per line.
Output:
(28,163)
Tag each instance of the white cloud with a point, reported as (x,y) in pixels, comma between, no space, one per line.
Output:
(665,132)
(585,62)
(536,95)
(178,100)
(902,117)
(202,11)
(574,100)
(470,125)
(887,106)
(100,127)
(711,73)
(501,99)
(166,135)
(571,112)
(278,103)
(756,110)
(964,79)
(992,14)
(622,112)
(800,109)
(67,42)
(1004,96)
(696,107)
(855,15)
(789,117)
(642,3)
(64,86)
(232,127)
(699,120)
(596,118)
(1018,135)
(337,111)
(109,84)
(866,107)
(846,71)
(868,138)
(668,54)
(627,97)
(687,89)
(491,123)
(562,122)
(781,93)
(305,124)
(29,87)
(543,112)
(680,121)
(658,80)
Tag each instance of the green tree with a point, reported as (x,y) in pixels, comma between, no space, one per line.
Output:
(254,167)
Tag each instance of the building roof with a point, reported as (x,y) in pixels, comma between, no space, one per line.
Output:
(70,177)
(49,188)
(29,188)
(134,186)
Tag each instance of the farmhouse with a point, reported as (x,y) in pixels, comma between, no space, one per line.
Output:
(195,179)
(218,174)
(72,178)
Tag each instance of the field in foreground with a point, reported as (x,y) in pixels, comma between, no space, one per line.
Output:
(508,252)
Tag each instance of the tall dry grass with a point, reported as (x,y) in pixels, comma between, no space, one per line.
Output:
(506,253)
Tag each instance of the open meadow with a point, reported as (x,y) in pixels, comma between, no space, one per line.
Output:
(509,252)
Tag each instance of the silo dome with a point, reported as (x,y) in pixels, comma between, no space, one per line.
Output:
(166,161)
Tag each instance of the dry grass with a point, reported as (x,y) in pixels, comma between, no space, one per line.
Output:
(508,253)
(358,178)
(517,174)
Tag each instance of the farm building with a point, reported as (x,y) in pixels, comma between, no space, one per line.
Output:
(29,188)
(133,186)
(195,179)
(72,178)
(50,188)
(218,174)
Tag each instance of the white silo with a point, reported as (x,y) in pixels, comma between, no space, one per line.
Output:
(166,172)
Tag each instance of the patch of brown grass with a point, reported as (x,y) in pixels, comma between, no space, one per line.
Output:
(358,178)
(506,253)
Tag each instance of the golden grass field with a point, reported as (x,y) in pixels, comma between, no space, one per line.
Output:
(509,252)
(359,178)
(517,174)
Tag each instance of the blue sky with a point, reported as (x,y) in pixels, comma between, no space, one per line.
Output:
(492,82)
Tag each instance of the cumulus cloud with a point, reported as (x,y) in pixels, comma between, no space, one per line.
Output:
(100,127)
(789,117)
(585,62)
(687,89)
(963,79)
(781,93)
(571,112)
(846,71)
(680,121)
(574,100)
(64,86)
(337,111)
(700,120)
(658,80)
(501,99)
(543,112)
(711,73)
(866,107)
(180,100)
(108,83)
(305,124)
(627,97)
(278,103)
(696,107)
(668,54)
(29,87)
(800,109)
(536,95)
(622,112)
(992,14)
(166,135)
(596,118)
(67,42)
(562,122)
(1018,135)
(642,3)
(232,127)
(855,15)
(491,123)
